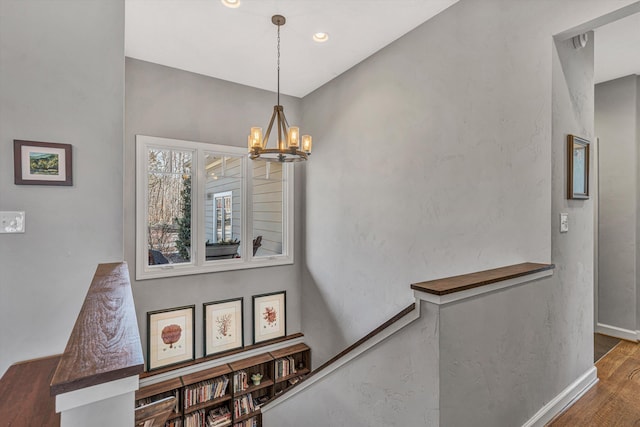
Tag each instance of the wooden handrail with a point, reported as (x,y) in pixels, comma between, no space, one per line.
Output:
(105,343)
(463,282)
(364,339)
(349,349)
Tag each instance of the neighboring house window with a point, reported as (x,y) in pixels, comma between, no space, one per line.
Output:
(204,208)
(223,216)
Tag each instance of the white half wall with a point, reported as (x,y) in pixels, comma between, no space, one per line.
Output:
(395,383)
(61,80)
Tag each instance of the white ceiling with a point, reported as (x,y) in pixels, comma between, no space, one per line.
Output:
(617,49)
(239,45)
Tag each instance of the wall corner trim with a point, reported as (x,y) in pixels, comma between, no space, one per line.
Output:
(564,399)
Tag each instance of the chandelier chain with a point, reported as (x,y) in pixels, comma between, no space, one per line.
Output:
(278,64)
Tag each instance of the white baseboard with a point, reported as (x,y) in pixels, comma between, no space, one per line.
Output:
(614,331)
(565,398)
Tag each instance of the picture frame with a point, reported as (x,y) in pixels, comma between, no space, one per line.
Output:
(577,168)
(223,326)
(42,163)
(269,316)
(170,336)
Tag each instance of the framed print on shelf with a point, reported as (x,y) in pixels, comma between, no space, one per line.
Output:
(42,163)
(269,316)
(223,326)
(170,336)
(577,168)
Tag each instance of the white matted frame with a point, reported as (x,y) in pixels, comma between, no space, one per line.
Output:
(170,336)
(269,316)
(42,163)
(223,326)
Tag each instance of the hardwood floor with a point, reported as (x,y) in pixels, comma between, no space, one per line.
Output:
(615,399)
(602,344)
(25,400)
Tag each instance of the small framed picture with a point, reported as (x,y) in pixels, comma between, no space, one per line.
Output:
(223,326)
(577,168)
(42,163)
(170,336)
(269,316)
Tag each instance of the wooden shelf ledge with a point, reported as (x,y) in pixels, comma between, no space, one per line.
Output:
(463,286)
(104,345)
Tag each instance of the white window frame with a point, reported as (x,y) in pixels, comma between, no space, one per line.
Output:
(198,263)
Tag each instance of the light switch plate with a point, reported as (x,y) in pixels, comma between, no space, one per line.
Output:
(564,222)
(12,222)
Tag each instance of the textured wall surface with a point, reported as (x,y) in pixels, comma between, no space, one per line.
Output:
(169,103)
(616,125)
(395,383)
(61,80)
(447,154)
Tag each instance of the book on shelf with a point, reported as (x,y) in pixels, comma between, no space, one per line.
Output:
(205,391)
(176,422)
(240,381)
(252,422)
(243,405)
(196,419)
(219,417)
(259,401)
(285,366)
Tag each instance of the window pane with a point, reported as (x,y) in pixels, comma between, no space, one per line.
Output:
(169,206)
(223,207)
(268,233)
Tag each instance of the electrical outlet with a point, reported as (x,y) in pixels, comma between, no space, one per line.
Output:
(12,222)
(564,222)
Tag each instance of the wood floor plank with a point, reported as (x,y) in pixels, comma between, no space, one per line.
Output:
(25,400)
(615,400)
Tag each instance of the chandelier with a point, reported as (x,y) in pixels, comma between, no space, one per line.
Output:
(290,147)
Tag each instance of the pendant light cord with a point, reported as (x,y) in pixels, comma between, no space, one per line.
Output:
(278,64)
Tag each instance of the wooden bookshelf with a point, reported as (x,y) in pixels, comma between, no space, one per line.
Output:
(249,396)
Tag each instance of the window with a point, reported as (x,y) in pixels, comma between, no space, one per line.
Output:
(224,216)
(205,208)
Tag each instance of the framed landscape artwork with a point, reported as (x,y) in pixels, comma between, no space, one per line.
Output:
(223,326)
(577,168)
(269,316)
(170,336)
(42,163)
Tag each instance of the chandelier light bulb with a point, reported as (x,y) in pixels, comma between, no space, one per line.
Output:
(307,143)
(294,136)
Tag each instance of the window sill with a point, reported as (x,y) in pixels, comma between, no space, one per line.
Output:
(174,270)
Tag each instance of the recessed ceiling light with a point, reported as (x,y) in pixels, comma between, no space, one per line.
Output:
(321,37)
(231,3)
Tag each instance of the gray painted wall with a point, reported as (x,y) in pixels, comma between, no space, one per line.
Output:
(616,121)
(395,383)
(61,80)
(460,127)
(437,162)
(166,102)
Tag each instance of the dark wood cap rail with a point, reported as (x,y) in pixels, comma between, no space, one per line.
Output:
(105,343)
(463,282)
